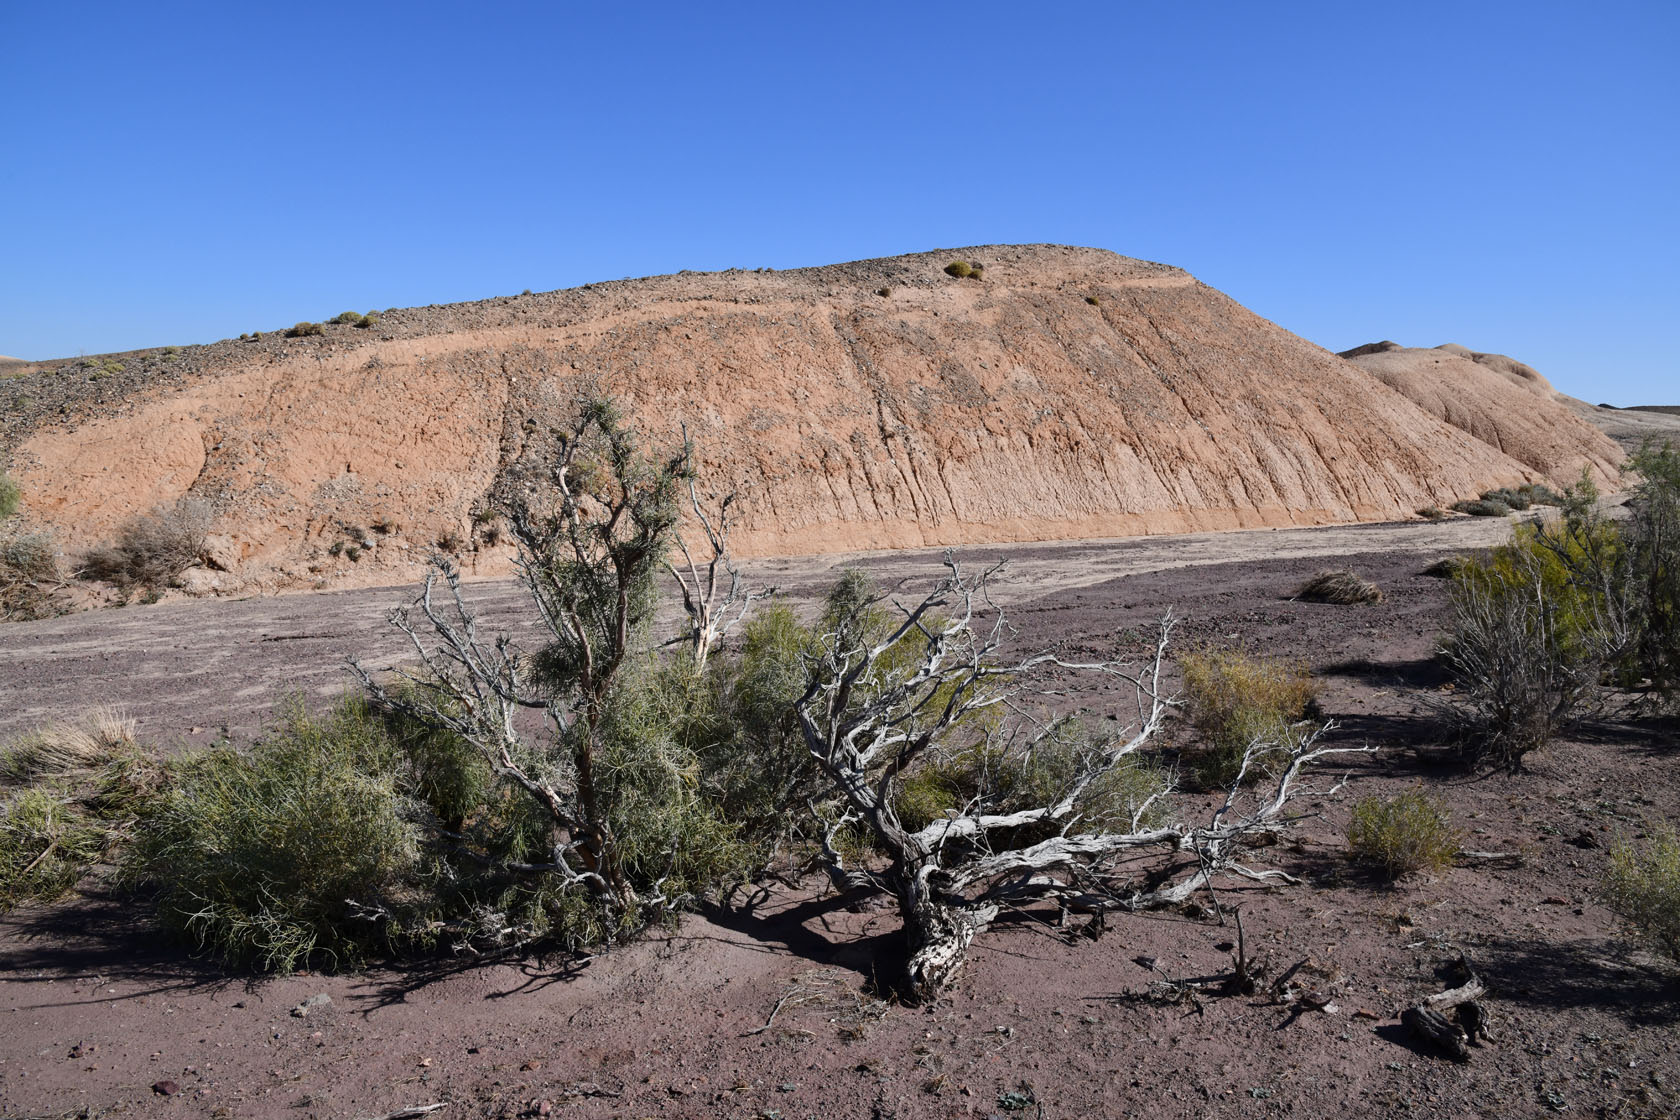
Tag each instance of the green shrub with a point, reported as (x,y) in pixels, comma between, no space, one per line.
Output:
(960,269)
(1432,513)
(1642,886)
(1235,701)
(1482,508)
(10,496)
(1338,586)
(1527,648)
(47,844)
(1446,567)
(302,848)
(1094,301)
(1652,539)
(1515,499)
(1403,834)
(343,318)
(304,330)
(153,549)
(884,291)
(993,779)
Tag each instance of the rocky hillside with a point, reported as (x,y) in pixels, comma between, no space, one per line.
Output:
(1061,393)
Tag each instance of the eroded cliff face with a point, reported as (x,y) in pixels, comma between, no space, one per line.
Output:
(1068,393)
(1500,401)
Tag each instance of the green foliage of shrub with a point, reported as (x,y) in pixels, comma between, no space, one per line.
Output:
(47,844)
(153,549)
(301,848)
(1514,499)
(1642,886)
(1403,834)
(10,496)
(960,269)
(1482,508)
(1094,301)
(995,779)
(1652,537)
(304,330)
(1528,645)
(1234,700)
(1432,513)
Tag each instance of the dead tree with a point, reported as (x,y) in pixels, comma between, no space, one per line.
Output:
(878,704)
(714,596)
(591,564)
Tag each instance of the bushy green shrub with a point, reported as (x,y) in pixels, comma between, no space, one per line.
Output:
(47,844)
(153,549)
(301,848)
(1402,834)
(304,330)
(1235,700)
(1652,538)
(1514,499)
(1642,886)
(960,269)
(1528,645)
(10,496)
(991,778)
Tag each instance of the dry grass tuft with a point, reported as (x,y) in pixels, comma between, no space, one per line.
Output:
(1338,586)
(62,749)
(1411,832)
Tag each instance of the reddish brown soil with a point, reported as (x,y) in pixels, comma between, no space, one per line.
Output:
(96,1009)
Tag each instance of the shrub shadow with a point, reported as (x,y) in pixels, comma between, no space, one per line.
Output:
(1598,975)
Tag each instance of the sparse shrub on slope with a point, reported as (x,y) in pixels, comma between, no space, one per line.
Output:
(1652,535)
(10,496)
(1643,886)
(304,330)
(1235,700)
(151,550)
(1482,508)
(1403,834)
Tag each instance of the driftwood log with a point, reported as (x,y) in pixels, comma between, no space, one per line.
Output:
(1429,1019)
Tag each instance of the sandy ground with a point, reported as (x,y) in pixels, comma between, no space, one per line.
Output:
(95,1009)
(194,668)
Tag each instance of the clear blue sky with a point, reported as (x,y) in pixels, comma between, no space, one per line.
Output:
(1503,175)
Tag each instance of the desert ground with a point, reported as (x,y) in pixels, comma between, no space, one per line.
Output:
(761,1006)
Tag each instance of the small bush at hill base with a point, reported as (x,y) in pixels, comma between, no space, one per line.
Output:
(1446,567)
(10,496)
(1403,834)
(151,550)
(1234,700)
(1643,886)
(1482,508)
(30,582)
(1338,586)
(1432,513)
(1515,499)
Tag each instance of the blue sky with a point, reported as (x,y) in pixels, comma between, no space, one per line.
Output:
(1502,175)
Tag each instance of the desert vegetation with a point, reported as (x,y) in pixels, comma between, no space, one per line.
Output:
(151,550)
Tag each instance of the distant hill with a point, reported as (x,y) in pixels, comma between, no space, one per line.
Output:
(1063,392)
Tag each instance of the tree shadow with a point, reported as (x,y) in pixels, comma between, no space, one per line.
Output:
(103,935)
(393,983)
(1418,673)
(874,956)
(1595,975)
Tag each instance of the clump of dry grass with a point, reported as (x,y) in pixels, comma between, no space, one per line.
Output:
(1338,586)
(1643,886)
(63,749)
(31,585)
(1447,567)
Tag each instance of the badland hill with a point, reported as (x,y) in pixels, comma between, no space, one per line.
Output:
(1059,393)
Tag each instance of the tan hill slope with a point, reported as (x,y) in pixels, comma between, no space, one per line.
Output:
(1067,393)
(1506,403)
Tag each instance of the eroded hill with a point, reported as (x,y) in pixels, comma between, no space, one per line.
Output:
(1065,393)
